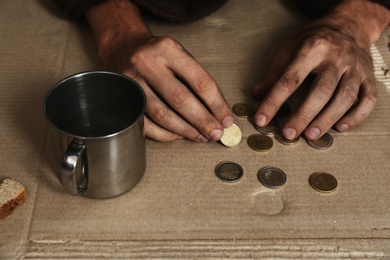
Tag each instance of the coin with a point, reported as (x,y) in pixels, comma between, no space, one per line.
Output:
(231,136)
(229,171)
(243,110)
(283,111)
(323,182)
(323,143)
(269,129)
(260,143)
(281,139)
(271,177)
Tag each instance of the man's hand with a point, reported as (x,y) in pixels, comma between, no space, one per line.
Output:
(182,98)
(336,49)
(183,101)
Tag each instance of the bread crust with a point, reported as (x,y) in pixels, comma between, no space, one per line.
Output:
(9,207)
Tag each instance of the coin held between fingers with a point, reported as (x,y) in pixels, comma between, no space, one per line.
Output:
(232,136)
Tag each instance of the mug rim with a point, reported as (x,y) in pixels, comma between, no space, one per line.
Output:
(136,84)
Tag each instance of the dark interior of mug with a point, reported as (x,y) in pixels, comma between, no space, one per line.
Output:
(95,104)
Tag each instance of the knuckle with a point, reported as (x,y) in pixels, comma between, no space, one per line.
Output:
(303,118)
(139,59)
(371,97)
(219,105)
(350,93)
(326,87)
(159,115)
(329,119)
(166,42)
(204,83)
(179,98)
(316,43)
(205,124)
(289,81)
(271,105)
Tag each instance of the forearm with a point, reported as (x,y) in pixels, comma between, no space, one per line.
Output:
(363,20)
(115,23)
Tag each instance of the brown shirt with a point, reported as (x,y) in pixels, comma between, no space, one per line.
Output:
(191,10)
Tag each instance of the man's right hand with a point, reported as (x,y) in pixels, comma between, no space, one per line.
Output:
(183,100)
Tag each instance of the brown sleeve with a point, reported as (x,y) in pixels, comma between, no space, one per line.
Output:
(191,10)
(180,10)
(74,9)
(316,8)
(171,10)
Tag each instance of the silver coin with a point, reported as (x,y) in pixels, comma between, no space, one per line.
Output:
(229,171)
(323,143)
(271,177)
(269,129)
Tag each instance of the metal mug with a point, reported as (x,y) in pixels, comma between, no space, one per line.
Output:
(97,124)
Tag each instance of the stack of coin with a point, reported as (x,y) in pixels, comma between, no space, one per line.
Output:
(231,136)
(271,177)
(229,171)
(260,143)
(281,139)
(269,129)
(243,110)
(323,182)
(323,143)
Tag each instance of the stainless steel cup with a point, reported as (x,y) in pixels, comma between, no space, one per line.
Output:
(96,119)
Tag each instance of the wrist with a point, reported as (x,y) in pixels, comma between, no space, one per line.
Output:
(114,24)
(362,20)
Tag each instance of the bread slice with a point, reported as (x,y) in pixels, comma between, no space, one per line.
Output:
(12,194)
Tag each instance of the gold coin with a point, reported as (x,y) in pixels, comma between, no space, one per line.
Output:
(323,143)
(283,111)
(271,177)
(281,139)
(269,129)
(323,182)
(229,171)
(243,110)
(231,136)
(260,143)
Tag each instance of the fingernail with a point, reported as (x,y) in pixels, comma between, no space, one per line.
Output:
(342,127)
(216,134)
(202,139)
(227,121)
(260,120)
(289,133)
(313,132)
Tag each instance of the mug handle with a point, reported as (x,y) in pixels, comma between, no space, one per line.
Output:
(75,152)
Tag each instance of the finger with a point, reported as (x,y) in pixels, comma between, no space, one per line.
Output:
(155,132)
(285,86)
(274,71)
(344,98)
(203,86)
(163,116)
(181,99)
(319,95)
(365,105)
